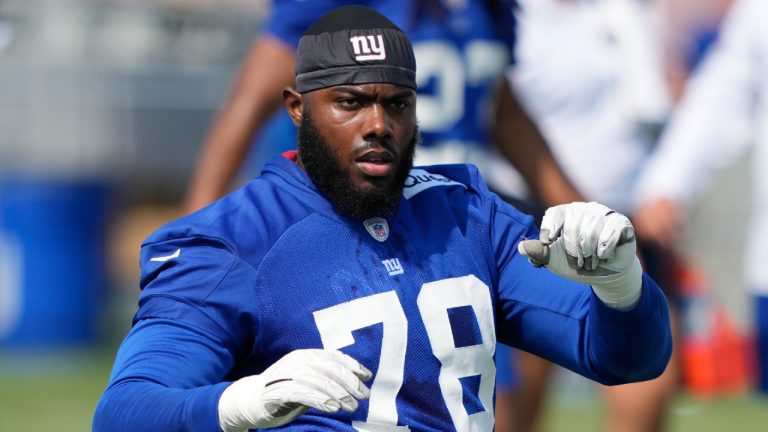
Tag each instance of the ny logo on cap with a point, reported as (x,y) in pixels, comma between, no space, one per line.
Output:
(368,47)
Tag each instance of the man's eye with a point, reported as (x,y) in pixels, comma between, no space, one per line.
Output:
(348,102)
(399,105)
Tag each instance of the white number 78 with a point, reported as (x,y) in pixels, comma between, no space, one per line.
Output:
(337,323)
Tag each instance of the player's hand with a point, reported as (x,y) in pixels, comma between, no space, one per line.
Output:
(591,244)
(326,380)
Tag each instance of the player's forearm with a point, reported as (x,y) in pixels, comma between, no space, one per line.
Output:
(150,407)
(632,345)
(571,327)
(255,97)
(578,305)
(223,154)
(168,376)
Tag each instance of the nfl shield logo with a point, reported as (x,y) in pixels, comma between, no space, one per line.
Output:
(377,228)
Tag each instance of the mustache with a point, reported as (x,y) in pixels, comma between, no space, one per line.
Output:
(377,144)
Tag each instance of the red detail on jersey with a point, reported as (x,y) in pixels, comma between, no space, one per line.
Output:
(291,154)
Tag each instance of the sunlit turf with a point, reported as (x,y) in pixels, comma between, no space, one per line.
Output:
(686,414)
(58,392)
(51,392)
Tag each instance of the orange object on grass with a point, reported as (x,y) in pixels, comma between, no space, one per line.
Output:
(715,356)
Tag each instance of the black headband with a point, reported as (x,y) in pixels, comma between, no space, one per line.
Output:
(354,45)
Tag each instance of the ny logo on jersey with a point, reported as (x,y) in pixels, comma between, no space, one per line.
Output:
(368,47)
(393,266)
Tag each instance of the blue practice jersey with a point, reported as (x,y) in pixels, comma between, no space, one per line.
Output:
(420,298)
(461,54)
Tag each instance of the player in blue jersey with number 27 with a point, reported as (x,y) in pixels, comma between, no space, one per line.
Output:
(346,290)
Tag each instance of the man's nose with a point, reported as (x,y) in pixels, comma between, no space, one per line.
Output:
(377,123)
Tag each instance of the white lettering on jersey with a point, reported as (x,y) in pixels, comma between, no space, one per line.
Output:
(368,47)
(393,266)
(455,72)
(419,180)
(434,299)
(167,257)
(337,324)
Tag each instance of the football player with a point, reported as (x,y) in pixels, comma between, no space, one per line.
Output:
(345,289)
(465,106)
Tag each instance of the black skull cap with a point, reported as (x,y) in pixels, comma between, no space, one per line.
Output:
(354,45)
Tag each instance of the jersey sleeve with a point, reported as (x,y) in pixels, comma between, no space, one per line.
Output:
(564,322)
(168,375)
(190,327)
(290,18)
(202,281)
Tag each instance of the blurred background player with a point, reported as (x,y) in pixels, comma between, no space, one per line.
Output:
(462,48)
(590,75)
(723,109)
(687,29)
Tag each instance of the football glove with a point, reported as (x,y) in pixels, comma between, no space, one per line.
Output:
(591,244)
(326,380)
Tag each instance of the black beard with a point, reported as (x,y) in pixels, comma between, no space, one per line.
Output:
(325,170)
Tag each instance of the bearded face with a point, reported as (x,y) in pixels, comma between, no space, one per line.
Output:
(324,163)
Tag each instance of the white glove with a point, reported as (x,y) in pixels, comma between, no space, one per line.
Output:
(591,244)
(310,378)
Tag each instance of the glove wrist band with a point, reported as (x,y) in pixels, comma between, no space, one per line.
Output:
(624,290)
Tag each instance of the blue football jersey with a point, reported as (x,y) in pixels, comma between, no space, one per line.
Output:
(420,298)
(462,50)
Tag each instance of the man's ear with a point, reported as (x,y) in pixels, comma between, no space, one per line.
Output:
(294,104)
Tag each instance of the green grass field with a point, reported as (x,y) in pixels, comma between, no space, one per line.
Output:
(51,392)
(738,414)
(59,392)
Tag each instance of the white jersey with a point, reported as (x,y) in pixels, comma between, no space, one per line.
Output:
(591,78)
(724,108)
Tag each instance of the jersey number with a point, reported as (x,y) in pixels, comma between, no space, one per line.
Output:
(337,323)
(454,71)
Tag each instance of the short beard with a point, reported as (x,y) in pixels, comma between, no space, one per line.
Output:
(325,170)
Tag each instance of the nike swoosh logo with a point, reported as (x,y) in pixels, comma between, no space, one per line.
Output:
(167,257)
